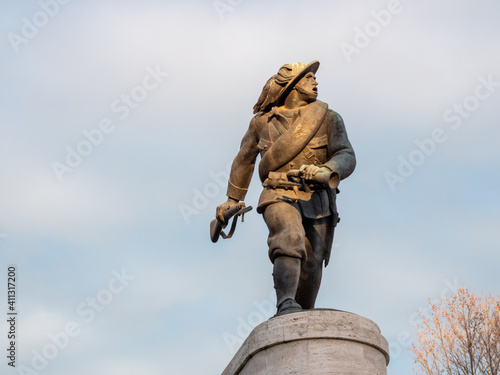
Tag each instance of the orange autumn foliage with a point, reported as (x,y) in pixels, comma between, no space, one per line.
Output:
(461,336)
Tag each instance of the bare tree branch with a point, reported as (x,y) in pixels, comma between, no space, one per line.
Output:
(460,337)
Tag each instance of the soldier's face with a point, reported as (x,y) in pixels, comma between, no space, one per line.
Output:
(307,87)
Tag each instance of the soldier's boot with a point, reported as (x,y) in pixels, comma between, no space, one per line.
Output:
(310,281)
(286,276)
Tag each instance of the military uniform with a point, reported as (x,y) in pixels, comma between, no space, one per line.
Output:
(328,147)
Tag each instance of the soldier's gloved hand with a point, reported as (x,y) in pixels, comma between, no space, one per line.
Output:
(219,213)
(309,171)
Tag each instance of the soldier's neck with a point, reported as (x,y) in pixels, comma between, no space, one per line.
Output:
(295,100)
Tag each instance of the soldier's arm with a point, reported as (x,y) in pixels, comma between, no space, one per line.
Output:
(341,158)
(244,164)
(241,170)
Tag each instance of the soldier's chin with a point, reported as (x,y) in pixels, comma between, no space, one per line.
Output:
(312,97)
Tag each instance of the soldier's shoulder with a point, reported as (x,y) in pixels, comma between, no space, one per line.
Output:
(333,115)
(259,119)
(330,113)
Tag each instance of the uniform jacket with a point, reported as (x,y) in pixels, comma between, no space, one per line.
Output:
(327,145)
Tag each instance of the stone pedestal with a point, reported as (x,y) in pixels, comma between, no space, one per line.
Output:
(314,342)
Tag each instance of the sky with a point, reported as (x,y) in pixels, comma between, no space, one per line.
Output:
(120,119)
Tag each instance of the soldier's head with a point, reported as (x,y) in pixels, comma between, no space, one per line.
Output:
(307,88)
(297,77)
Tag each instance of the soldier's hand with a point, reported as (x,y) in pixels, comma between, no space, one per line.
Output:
(309,171)
(222,208)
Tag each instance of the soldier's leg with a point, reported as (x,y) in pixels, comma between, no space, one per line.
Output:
(319,236)
(286,249)
(286,275)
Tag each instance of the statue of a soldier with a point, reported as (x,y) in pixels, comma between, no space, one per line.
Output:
(304,153)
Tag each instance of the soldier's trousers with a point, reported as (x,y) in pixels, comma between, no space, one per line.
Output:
(292,235)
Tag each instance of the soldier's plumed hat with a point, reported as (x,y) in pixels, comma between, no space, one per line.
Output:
(279,85)
(298,71)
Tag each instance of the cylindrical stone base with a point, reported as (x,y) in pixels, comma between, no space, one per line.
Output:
(314,342)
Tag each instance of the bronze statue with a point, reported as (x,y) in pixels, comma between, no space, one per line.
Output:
(305,153)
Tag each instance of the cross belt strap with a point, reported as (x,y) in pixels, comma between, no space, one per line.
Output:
(294,140)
